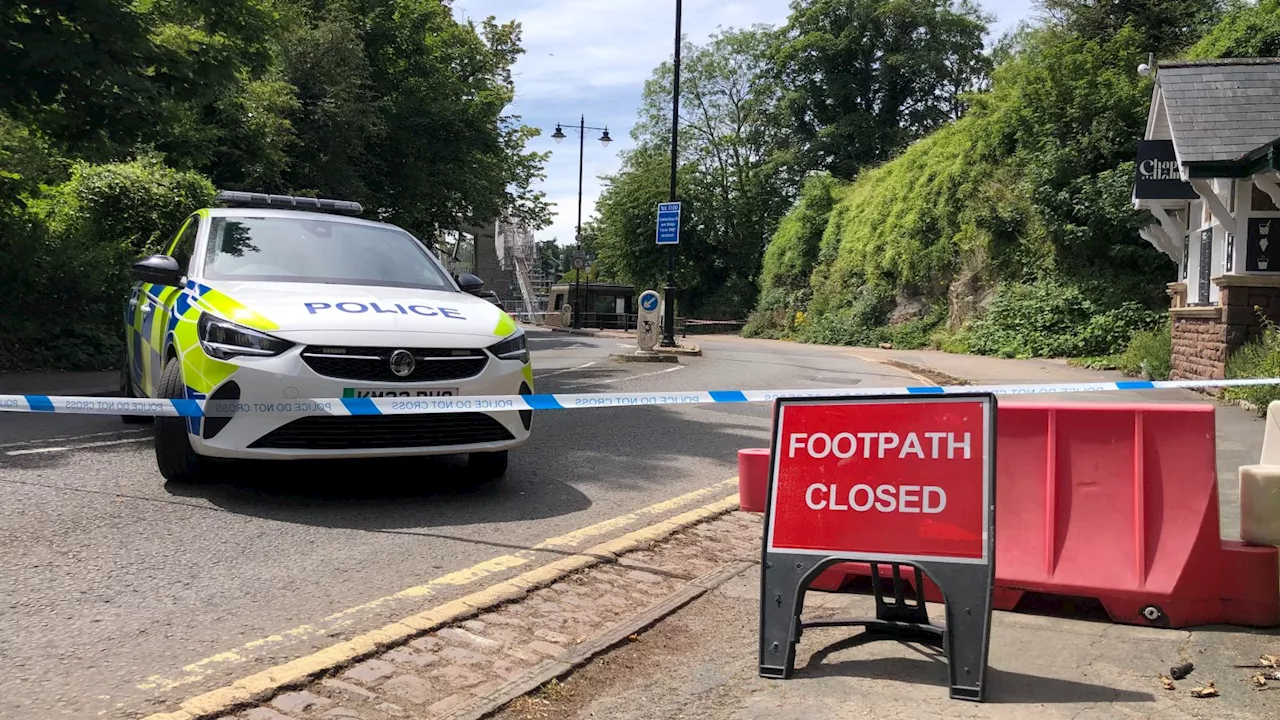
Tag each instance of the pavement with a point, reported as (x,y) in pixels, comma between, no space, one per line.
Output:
(701,662)
(126,597)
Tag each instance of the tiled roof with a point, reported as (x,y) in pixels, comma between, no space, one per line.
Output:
(1221,109)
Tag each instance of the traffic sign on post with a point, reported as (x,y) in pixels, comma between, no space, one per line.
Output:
(894,481)
(649,321)
(668,223)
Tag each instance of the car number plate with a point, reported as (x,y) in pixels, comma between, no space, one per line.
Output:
(397,392)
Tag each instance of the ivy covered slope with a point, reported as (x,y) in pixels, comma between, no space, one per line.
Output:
(1008,232)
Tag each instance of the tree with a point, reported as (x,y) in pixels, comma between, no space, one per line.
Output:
(447,153)
(733,188)
(864,78)
(1167,25)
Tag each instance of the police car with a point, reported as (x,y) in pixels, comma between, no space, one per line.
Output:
(258,301)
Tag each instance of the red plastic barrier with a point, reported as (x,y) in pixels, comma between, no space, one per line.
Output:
(753,479)
(1119,503)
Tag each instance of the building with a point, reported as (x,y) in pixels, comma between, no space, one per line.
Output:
(1207,172)
(499,253)
(607,305)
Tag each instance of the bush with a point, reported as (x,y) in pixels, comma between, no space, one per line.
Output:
(917,333)
(65,288)
(1149,354)
(1258,359)
(778,314)
(1056,319)
(861,322)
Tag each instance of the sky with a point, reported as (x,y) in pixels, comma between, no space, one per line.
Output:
(591,58)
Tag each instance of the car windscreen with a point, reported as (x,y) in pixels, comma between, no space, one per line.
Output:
(306,250)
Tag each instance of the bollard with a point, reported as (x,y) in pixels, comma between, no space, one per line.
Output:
(1260,488)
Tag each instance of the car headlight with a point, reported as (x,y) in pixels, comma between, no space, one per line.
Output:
(224,339)
(515,347)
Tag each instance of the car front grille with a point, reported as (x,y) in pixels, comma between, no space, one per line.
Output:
(373,364)
(329,432)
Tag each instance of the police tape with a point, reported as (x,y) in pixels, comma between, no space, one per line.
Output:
(570,401)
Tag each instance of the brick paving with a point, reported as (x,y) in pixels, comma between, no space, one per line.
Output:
(454,667)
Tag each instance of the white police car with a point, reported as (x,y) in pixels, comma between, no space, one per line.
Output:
(268,306)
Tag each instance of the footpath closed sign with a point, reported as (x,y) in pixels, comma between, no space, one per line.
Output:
(895,481)
(892,481)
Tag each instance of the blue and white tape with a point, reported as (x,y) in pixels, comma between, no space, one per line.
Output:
(569,401)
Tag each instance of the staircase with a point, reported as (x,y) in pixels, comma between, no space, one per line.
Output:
(527,294)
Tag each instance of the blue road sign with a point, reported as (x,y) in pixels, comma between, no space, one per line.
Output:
(649,301)
(668,223)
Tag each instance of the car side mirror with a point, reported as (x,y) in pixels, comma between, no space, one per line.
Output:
(470,283)
(159,269)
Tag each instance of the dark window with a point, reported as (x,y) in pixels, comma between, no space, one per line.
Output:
(319,250)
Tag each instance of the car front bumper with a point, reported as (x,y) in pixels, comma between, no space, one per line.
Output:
(263,382)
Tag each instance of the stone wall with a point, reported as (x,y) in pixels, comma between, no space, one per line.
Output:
(1199,349)
(1204,337)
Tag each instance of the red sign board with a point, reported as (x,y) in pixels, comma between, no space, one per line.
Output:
(884,479)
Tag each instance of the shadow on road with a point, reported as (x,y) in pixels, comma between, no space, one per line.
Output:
(1003,686)
(377,495)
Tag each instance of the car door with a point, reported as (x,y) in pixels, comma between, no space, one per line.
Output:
(152,306)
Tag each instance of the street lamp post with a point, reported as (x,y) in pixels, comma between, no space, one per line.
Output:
(669,292)
(559,136)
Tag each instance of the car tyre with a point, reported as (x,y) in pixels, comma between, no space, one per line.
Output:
(177,460)
(127,391)
(487,466)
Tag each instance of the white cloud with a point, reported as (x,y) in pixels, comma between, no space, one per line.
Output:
(585,57)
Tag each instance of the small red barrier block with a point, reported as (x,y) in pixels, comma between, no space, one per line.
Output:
(753,479)
(1119,503)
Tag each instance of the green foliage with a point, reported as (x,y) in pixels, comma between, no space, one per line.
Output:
(792,252)
(1053,319)
(134,206)
(777,314)
(115,116)
(1029,191)
(920,332)
(733,193)
(1257,359)
(1149,354)
(789,260)
(863,78)
(63,290)
(906,224)
(859,322)
(1248,30)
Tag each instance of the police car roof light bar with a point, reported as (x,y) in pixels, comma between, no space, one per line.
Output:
(232,198)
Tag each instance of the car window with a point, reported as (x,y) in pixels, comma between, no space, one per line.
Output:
(185,244)
(319,251)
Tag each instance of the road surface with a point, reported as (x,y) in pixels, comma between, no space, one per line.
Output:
(124,596)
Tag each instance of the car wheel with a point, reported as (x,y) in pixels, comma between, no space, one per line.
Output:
(484,467)
(126,390)
(177,461)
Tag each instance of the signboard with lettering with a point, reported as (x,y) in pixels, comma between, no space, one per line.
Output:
(1263,253)
(1205,269)
(1156,173)
(897,481)
(668,223)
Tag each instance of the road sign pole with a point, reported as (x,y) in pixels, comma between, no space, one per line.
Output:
(669,292)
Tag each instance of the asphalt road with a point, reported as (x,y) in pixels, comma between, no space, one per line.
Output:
(123,596)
